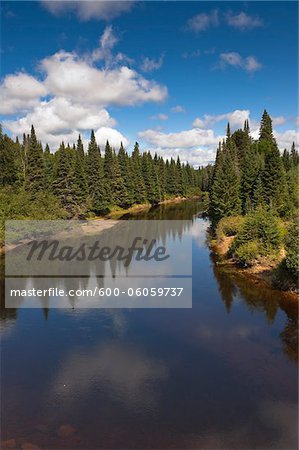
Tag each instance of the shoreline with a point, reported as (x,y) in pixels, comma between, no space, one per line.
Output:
(261,273)
(100,223)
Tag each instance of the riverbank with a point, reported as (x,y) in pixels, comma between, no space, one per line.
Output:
(118,212)
(263,271)
(98,224)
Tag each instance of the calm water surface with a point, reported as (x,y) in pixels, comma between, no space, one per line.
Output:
(222,375)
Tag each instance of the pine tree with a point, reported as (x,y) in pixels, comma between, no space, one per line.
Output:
(252,165)
(225,193)
(119,195)
(97,185)
(266,132)
(9,171)
(35,165)
(153,191)
(126,171)
(140,192)
(49,167)
(294,155)
(63,181)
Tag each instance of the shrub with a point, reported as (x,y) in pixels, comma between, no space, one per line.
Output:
(263,228)
(292,250)
(229,226)
(247,253)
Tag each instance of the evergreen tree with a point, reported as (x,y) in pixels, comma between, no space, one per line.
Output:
(225,194)
(63,181)
(97,185)
(35,166)
(266,132)
(140,192)
(119,195)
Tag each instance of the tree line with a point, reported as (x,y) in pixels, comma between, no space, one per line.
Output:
(92,181)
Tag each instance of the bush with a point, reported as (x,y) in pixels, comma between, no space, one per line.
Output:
(292,250)
(264,229)
(247,253)
(229,226)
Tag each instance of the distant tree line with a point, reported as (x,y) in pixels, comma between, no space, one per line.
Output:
(92,181)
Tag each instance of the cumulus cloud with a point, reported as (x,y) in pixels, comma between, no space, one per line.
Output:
(20,92)
(87,10)
(249,63)
(72,94)
(68,75)
(114,137)
(60,119)
(243,21)
(183,139)
(286,138)
(203,21)
(235,118)
(148,64)
(178,109)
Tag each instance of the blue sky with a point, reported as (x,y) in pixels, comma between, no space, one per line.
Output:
(168,74)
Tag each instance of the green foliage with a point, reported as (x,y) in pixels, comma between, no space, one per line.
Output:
(18,205)
(225,192)
(248,252)
(262,227)
(292,250)
(229,226)
(35,175)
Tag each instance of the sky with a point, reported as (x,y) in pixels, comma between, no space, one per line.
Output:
(169,75)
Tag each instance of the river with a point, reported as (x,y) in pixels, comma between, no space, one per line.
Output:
(220,375)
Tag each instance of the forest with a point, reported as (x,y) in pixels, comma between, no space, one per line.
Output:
(250,192)
(77,183)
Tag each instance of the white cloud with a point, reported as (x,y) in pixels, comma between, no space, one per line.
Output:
(178,109)
(60,119)
(182,139)
(73,94)
(160,117)
(286,138)
(203,21)
(113,136)
(72,77)
(280,120)
(198,123)
(107,42)
(20,92)
(148,64)
(249,63)
(243,21)
(86,10)
(235,118)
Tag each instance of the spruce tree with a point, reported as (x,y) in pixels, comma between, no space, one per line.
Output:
(225,193)
(119,195)
(63,181)
(35,166)
(140,192)
(97,185)
(266,132)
